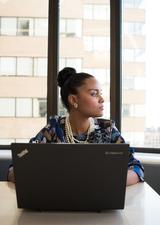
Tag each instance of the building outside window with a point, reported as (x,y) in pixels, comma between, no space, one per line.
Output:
(84,39)
(23,69)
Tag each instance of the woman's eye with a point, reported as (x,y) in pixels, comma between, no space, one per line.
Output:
(94,93)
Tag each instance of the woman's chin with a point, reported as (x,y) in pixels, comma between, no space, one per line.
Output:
(99,114)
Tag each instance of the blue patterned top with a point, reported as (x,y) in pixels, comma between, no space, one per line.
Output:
(105,132)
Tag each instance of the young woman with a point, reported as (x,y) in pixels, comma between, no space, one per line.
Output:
(81,94)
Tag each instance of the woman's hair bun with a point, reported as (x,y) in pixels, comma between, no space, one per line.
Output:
(64,75)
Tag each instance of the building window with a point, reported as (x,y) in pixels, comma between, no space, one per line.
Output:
(25,27)
(24,66)
(126,110)
(134,55)
(134,28)
(23,107)
(96,12)
(8,26)
(12,26)
(71,27)
(134,4)
(41,27)
(133,110)
(71,62)
(39,107)
(8,66)
(40,66)
(7,107)
(128,83)
(99,44)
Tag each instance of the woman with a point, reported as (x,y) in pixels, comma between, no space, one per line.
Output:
(81,95)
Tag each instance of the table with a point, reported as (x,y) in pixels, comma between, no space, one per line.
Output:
(142,207)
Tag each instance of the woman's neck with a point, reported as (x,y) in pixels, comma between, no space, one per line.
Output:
(79,124)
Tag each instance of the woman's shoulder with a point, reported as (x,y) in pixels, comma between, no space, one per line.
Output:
(105,123)
(53,120)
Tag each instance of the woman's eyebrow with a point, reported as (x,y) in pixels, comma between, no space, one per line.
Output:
(95,89)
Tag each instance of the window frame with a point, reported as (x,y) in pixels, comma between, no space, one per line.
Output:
(115,69)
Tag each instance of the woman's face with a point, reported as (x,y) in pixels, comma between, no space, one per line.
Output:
(89,98)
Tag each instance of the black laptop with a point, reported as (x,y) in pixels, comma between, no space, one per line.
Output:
(85,177)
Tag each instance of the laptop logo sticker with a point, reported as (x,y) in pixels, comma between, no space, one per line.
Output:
(23,153)
(113,153)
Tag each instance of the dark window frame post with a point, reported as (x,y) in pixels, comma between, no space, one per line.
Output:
(53,58)
(115,63)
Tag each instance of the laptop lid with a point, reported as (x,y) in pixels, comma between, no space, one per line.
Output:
(70,176)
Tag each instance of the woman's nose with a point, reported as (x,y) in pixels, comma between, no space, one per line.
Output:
(101,99)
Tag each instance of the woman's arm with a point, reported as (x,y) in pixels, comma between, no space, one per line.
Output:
(10,175)
(132,178)
(135,168)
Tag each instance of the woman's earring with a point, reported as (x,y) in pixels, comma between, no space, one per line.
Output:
(75,105)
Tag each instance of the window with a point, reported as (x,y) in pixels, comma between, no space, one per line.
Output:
(96,12)
(71,27)
(25,27)
(133,55)
(137,28)
(7,107)
(23,107)
(133,110)
(88,11)
(41,27)
(91,50)
(133,3)
(128,82)
(8,26)
(40,66)
(71,62)
(8,66)
(95,43)
(24,66)
(39,107)
(140,75)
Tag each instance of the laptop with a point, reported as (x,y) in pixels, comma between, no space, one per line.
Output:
(70,177)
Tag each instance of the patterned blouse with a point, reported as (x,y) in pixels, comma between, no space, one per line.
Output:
(105,131)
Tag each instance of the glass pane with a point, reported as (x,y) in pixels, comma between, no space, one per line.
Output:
(140,71)
(41,27)
(87,28)
(74,27)
(7,66)
(25,27)
(23,68)
(8,25)
(40,107)
(40,66)
(7,107)
(23,107)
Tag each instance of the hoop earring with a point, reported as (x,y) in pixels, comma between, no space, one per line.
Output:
(75,105)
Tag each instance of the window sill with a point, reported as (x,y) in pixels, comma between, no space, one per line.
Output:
(148,158)
(5,154)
